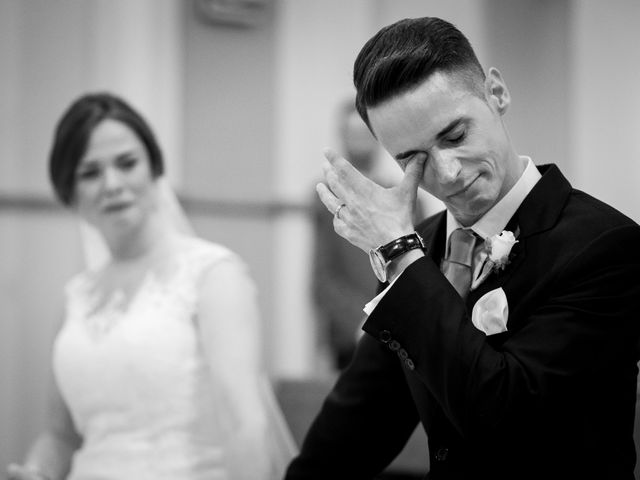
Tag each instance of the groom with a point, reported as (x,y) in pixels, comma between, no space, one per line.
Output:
(507,325)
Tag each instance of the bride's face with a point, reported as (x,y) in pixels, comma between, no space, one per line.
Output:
(114,187)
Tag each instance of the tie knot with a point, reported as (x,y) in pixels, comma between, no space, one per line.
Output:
(461,243)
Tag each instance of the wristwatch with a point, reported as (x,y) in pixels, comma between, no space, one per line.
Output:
(381,256)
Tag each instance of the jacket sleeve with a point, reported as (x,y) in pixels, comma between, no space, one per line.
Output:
(364,422)
(581,318)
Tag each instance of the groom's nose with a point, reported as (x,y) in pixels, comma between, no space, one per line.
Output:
(445,165)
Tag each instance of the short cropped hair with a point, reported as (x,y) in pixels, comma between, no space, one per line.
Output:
(404,54)
(74,129)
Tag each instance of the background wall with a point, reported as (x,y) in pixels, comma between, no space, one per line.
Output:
(604,101)
(243,114)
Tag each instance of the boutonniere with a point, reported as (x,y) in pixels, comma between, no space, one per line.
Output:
(498,248)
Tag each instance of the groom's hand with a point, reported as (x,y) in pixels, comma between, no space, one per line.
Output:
(372,215)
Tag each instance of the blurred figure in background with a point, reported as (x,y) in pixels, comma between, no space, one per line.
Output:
(342,279)
(157,366)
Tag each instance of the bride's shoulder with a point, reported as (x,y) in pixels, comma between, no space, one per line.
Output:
(205,252)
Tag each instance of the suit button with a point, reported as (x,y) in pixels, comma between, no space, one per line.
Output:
(394,345)
(385,336)
(441,454)
(409,363)
(402,353)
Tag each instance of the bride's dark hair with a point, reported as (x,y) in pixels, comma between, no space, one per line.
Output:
(74,130)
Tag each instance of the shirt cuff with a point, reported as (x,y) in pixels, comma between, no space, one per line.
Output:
(368,308)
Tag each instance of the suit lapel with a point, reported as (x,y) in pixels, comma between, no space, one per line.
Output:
(498,279)
(541,209)
(538,212)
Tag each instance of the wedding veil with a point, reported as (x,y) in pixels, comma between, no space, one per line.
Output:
(95,251)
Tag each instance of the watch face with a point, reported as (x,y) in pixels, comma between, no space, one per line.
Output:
(378,265)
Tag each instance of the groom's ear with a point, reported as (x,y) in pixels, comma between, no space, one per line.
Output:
(496,91)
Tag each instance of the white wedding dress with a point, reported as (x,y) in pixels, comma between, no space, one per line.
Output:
(140,390)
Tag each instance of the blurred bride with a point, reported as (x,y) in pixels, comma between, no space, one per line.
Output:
(157,366)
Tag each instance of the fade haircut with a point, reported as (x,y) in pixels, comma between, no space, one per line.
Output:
(404,54)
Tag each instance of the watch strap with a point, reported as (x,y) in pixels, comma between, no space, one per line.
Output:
(400,245)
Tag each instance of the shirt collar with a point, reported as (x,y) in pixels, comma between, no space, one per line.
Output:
(494,221)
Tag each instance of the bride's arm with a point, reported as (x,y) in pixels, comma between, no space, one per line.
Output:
(50,455)
(229,321)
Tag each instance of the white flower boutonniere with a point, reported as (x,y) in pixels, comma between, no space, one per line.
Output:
(498,248)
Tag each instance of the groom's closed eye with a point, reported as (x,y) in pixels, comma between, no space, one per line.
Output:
(404,159)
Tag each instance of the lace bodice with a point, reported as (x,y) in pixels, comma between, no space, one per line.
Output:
(135,379)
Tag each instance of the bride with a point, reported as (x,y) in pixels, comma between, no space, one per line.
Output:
(157,366)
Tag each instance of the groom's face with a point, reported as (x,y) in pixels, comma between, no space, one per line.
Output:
(470,164)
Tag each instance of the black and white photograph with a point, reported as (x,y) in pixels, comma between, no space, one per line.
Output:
(319,239)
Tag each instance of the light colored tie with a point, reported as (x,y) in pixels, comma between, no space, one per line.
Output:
(457,265)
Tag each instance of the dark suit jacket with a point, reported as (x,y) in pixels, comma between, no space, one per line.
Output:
(552,397)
